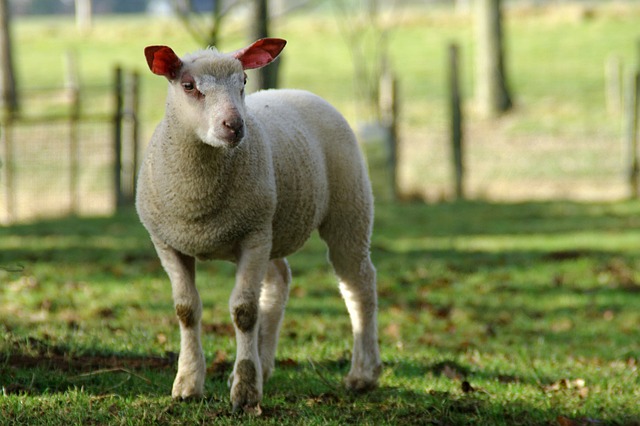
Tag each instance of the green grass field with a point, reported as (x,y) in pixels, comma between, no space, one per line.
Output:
(512,313)
(489,314)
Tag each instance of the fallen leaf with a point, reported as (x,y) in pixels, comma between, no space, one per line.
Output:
(393,331)
(583,393)
(220,365)
(562,325)
(505,378)
(585,421)
(442,312)
(452,373)
(565,421)
(568,384)
(161,338)
(287,362)
(467,388)
(578,383)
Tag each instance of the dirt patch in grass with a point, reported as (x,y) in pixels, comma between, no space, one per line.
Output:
(32,353)
(83,363)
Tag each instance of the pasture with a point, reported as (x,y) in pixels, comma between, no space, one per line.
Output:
(514,313)
(489,314)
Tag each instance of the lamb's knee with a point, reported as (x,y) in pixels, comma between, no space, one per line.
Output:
(186,315)
(245,316)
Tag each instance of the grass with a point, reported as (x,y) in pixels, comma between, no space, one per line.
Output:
(489,314)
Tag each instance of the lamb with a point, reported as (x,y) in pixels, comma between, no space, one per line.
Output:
(247,180)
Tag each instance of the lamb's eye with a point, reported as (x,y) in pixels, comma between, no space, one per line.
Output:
(188,86)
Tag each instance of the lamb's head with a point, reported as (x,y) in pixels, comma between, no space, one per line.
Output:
(206,92)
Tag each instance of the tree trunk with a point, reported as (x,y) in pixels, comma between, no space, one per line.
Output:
(83,16)
(267,77)
(492,89)
(8,91)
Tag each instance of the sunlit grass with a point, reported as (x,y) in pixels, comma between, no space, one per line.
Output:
(534,305)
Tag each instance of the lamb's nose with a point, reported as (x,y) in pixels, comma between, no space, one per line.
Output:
(234,125)
(233,129)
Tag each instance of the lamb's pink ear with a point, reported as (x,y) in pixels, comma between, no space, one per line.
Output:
(163,61)
(260,53)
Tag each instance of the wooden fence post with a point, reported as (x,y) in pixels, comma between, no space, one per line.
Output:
(389,115)
(135,131)
(631,136)
(456,122)
(613,81)
(73,89)
(117,138)
(7,164)
(126,135)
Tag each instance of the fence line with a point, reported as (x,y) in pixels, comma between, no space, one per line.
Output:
(456,122)
(479,159)
(58,156)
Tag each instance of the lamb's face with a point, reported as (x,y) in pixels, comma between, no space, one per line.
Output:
(209,95)
(206,96)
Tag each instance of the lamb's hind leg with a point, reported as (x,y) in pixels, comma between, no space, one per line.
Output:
(273,299)
(189,381)
(349,254)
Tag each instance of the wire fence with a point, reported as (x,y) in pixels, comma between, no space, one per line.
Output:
(565,138)
(72,151)
(571,133)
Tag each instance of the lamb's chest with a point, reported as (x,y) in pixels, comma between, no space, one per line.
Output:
(204,238)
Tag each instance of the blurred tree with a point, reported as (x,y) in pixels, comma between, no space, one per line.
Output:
(83,15)
(8,89)
(366,35)
(267,77)
(492,91)
(205,33)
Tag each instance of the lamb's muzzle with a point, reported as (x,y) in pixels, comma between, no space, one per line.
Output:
(231,130)
(295,167)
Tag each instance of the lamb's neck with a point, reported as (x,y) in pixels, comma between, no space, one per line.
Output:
(195,169)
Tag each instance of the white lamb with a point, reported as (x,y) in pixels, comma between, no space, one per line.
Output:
(248,182)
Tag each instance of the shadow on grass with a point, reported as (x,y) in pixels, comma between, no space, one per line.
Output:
(487,218)
(297,389)
(99,241)
(87,236)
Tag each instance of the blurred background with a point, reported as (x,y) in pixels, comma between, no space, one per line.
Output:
(467,99)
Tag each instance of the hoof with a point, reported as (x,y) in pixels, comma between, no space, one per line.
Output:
(245,398)
(187,390)
(245,394)
(189,398)
(363,382)
(358,384)
(247,409)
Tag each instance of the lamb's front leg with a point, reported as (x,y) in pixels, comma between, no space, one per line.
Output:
(189,382)
(246,380)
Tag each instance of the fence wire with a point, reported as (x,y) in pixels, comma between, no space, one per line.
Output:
(44,181)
